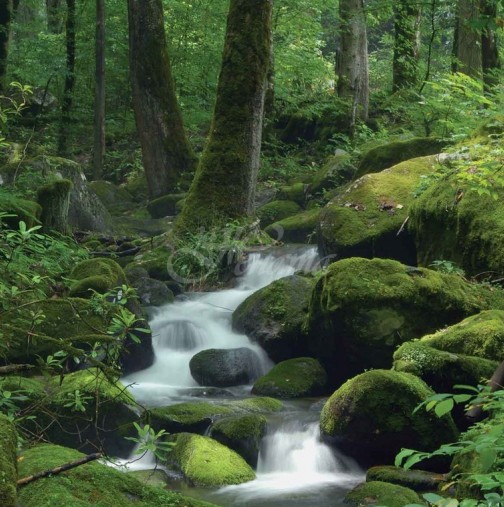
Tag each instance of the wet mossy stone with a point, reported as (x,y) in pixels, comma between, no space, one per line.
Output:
(96,275)
(8,461)
(225,367)
(379,493)
(417,480)
(274,316)
(152,292)
(364,218)
(277,210)
(207,463)
(337,171)
(90,484)
(371,417)
(165,205)
(156,262)
(22,210)
(134,272)
(295,193)
(242,434)
(361,310)
(442,370)
(297,228)
(116,199)
(54,197)
(137,188)
(294,378)
(387,155)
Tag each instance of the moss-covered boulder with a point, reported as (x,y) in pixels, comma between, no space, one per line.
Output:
(196,417)
(116,199)
(156,262)
(8,462)
(295,192)
(90,484)
(54,198)
(276,210)
(225,367)
(335,172)
(371,417)
(165,205)
(387,155)
(442,370)
(365,217)
(152,292)
(417,480)
(294,378)
(379,493)
(207,463)
(361,310)
(242,434)
(274,316)
(96,275)
(22,210)
(295,229)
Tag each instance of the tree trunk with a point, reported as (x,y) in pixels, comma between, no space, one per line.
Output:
(55,201)
(5,28)
(166,152)
(66,105)
(489,48)
(54,18)
(406,44)
(467,40)
(352,62)
(224,185)
(99,106)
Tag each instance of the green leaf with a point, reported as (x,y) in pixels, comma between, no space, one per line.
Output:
(487,458)
(443,407)
(432,497)
(403,454)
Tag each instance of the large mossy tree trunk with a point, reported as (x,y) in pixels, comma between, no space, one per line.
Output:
(224,185)
(406,44)
(467,40)
(489,47)
(166,152)
(54,198)
(352,58)
(5,28)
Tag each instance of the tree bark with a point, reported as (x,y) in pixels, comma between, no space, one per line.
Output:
(406,44)
(54,18)
(467,40)
(99,105)
(224,185)
(489,48)
(352,62)
(166,152)
(6,13)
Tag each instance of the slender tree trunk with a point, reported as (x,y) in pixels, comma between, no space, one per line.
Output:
(489,48)
(467,40)
(6,13)
(352,62)
(54,18)
(166,152)
(406,44)
(99,106)
(225,181)
(69,79)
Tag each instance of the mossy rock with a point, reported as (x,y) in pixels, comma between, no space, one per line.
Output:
(116,199)
(23,210)
(54,197)
(379,493)
(137,188)
(294,378)
(371,417)
(337,171)
(387,155)
(96,275)
(364,219)
(156,261)
(295,229)
(152,292)
(274,315)
(242,434)
(207,463)
(196,417)
(417,480)
(277,210)
(165,205)
(90,484)
(8,462)
(442,370)
(362,309)
(295,192)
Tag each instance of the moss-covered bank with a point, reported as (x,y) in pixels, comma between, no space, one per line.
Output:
(379,493)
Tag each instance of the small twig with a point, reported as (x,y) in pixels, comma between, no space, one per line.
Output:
(403,226)
(58,470)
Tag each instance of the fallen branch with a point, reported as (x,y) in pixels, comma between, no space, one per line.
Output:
(58,470)
(403,226)
(13,368)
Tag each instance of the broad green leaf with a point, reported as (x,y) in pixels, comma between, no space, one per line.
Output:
(443,407)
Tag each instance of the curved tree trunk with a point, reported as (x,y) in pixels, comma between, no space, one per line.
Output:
(166,152)
(467,40)
(225,181)
(406,44)
(5,28)
(352,63)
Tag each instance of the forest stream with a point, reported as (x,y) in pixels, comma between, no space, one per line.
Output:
(294,466)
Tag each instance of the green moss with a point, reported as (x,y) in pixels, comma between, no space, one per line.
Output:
(155,261)
(115,199)
(372,414)
(294,378)
(256,405)
(364,218)
(89,484)
(295,193)
(277,210)
(295,229)
(165,205)
(387,155)
(22,209)
(54,198)
(335,172)
(207,463)
(417,480)
(96,275)
(8,471)
(376,493)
